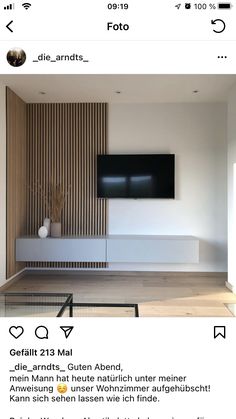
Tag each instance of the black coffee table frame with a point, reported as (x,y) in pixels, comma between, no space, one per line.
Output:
(63,305)
(112,305)
(68,303)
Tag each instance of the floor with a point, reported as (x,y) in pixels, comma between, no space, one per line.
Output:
(159,294)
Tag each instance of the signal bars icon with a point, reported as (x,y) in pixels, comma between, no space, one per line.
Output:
(10,6)
(26,5)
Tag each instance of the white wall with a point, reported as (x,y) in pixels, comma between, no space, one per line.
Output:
(2,184)
(232,189)
(196,134)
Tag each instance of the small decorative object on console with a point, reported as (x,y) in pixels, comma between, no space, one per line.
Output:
(46,224)
(43,232)
(56,229)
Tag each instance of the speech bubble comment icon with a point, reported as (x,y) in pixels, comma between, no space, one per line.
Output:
(41,332)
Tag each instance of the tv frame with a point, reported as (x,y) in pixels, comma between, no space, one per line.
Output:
(132,155)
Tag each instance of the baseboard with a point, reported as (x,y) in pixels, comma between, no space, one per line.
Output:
(193,277)
(107,272)
(232,288)
(12,279)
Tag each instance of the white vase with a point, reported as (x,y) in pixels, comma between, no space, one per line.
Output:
(43,232)
(46,224)
(55,229)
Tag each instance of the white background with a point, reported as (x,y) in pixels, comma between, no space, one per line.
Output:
(179,346)
(143,346)
(2,182)
(161,38)
(154,346)
(149,20)
(154,57)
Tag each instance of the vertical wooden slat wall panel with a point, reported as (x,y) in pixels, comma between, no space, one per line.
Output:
(63,141)
(16,177)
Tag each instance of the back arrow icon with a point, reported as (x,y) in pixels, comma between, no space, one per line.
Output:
(8,26)
(213,22)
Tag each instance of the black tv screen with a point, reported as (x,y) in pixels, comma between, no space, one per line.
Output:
(136,176)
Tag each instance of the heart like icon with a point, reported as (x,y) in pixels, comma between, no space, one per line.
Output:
(16,331)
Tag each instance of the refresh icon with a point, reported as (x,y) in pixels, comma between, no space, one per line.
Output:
(221,25)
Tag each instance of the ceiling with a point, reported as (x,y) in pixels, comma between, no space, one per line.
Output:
(133,88)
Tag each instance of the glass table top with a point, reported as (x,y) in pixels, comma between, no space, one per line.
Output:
(58,305)
(35,304)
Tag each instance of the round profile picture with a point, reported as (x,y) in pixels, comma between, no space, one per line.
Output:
(16,57)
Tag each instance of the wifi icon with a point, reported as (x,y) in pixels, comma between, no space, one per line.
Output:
(26,5)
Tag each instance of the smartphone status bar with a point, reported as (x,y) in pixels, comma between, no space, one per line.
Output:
(115,21)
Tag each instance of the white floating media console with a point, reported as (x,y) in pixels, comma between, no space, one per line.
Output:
(153,249)
(113,248)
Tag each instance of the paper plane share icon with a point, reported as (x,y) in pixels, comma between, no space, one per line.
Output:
(67,330)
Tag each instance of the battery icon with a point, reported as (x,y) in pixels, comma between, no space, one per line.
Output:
(224,5)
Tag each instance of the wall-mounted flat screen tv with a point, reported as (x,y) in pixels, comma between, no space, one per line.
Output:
(136,176)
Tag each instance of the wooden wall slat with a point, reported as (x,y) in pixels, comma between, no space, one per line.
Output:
(16,177)
(63,141)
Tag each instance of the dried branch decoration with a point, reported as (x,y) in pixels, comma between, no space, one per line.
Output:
(53,197)
(57,198)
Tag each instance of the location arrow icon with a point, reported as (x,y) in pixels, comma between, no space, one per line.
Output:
(67,330)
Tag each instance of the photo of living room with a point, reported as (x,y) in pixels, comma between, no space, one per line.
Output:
(118,195)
